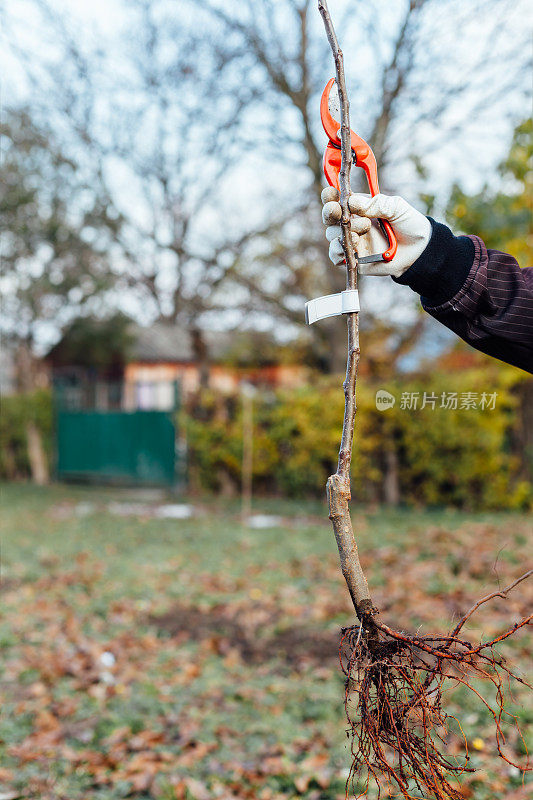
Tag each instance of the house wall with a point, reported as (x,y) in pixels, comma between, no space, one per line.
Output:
(151,385)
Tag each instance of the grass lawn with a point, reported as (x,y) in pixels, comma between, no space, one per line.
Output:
(148,657)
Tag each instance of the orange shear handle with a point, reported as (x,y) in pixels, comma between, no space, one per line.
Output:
(363,157)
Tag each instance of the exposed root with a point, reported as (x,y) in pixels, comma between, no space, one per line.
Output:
(394,704)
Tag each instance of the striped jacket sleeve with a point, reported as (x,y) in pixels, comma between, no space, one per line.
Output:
(482,295)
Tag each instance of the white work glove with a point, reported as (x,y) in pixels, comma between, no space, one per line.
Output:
(412,229)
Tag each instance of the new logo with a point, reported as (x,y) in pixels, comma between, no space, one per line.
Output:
(384,400)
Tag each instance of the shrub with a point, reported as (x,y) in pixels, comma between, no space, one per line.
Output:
(16,412)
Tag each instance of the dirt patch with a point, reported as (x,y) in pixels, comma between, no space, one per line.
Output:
(219,628)
(7,584)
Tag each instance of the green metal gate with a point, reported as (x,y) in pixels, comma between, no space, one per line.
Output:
(135,447)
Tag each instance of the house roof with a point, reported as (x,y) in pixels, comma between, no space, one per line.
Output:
(108,344)
(166,342)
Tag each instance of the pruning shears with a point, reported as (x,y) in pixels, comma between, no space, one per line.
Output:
(362,157)
(347,302)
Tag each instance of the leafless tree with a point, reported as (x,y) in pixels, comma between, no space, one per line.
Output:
(171,112)
(152,126)
(412,90)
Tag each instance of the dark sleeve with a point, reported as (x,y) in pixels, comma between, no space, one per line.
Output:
(481,295)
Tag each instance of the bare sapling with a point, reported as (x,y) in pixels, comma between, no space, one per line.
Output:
(398,724)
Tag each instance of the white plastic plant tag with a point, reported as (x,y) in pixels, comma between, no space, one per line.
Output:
(331,305)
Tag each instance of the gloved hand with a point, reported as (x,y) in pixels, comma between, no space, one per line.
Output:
(412,229)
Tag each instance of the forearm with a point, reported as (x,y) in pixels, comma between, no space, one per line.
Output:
(482,295)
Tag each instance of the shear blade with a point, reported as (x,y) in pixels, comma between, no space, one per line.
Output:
(334,104)
(371,259)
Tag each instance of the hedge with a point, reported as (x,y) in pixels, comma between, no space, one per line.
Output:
(462,457)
